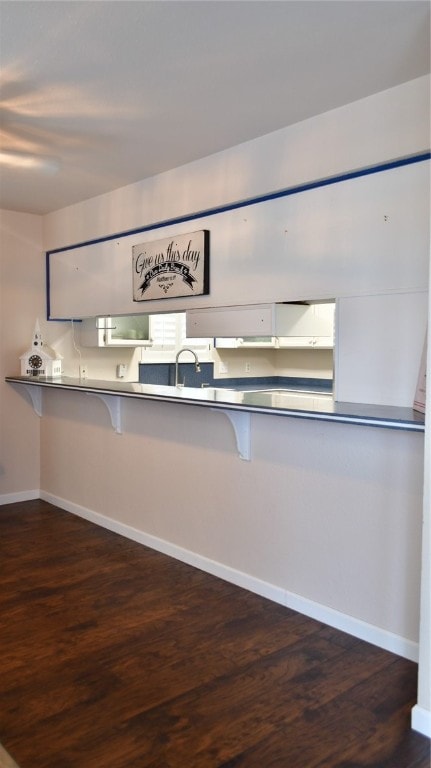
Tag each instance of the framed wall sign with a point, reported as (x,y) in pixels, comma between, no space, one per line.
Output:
(172,267)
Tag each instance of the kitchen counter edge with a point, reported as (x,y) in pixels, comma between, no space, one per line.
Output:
(318,408)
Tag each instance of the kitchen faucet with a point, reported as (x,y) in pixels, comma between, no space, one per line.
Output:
(197,366)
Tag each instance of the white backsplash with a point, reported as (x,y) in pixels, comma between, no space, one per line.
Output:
(303,363)
(101,363)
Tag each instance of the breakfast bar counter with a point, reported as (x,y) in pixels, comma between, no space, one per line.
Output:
(296,403)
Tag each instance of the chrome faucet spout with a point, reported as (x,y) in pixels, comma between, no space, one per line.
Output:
(197,366)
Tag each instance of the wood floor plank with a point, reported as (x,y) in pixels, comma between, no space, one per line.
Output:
(115,656)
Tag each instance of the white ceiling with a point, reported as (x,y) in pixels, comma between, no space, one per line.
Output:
(106,93)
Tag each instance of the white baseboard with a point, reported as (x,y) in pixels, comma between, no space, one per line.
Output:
(13,498)
(421,720)
(401,646)
(345,623)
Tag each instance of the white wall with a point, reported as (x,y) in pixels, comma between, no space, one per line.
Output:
(356,239)
(100,363)
(22,301)
(326,515)
(421,714)
(316,501)
(343,239)
(380,339)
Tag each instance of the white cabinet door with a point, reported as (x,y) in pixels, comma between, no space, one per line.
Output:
(316,332)
(323,342)
(255,320)
(226,343)
(305,342)
(296,342)
(126,331)
(251,320)
(255,342)
(299,326)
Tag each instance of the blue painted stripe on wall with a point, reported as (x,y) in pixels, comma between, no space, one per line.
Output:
(253,201)
(233,206)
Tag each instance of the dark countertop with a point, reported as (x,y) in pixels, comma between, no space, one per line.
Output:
(292,403)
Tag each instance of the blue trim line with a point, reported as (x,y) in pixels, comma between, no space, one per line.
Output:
(253,201)
(48,286)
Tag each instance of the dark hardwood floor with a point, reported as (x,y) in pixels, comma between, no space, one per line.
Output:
(115,656)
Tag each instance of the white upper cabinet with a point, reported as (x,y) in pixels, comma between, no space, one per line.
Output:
(159,334)
(320,323)
(271,325)
(133,331)
(250,320)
